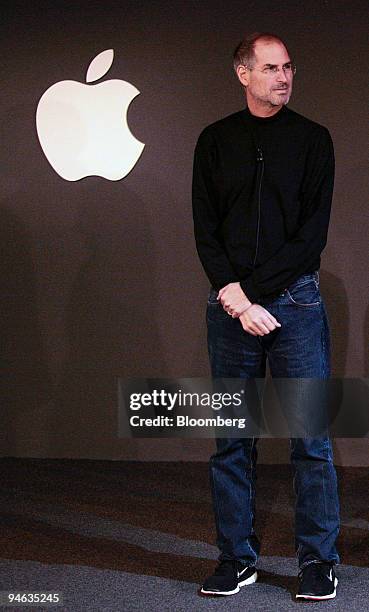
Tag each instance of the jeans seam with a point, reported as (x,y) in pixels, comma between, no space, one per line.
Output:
(250,482)
(325,336)
(251,491)
(216,506)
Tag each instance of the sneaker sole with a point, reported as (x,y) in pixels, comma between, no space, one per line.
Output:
(318,597)
(249,580)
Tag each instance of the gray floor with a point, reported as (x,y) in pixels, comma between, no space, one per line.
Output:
(41,508)
(86,588)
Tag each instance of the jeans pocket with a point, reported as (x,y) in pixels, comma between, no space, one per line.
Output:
(304,294)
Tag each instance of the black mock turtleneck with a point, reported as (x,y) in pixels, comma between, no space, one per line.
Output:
(262,191)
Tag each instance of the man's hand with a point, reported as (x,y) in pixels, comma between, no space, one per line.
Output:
(233,299)
(257,321)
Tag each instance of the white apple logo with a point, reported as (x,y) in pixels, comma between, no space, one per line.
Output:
(83,129)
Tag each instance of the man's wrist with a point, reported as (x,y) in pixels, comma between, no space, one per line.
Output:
(249,304)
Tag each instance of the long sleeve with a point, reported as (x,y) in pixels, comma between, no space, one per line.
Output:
(299,253)
(206,216)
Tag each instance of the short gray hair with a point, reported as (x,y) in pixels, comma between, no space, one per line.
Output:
(245,51)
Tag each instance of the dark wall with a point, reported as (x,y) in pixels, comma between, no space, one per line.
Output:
(100,279)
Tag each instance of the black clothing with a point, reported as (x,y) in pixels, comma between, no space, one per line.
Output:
(262,191)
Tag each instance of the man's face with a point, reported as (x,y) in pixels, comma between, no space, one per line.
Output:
(264,85)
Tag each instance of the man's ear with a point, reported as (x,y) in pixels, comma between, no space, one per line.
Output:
(243,75)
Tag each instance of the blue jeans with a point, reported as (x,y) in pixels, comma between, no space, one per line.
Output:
(298,349)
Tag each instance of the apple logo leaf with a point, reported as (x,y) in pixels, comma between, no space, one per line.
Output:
(100,65)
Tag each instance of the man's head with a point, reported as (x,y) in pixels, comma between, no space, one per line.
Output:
(264,68)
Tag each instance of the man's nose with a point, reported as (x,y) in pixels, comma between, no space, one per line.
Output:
(281,76)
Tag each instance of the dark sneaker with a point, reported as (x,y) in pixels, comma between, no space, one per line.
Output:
(317,581)
(228,577)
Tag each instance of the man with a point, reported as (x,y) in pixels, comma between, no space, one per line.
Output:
(262,190)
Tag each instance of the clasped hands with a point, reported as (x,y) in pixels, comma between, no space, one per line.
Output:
(254,319)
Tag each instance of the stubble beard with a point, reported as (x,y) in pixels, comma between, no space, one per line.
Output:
(272,98)
(278,98)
